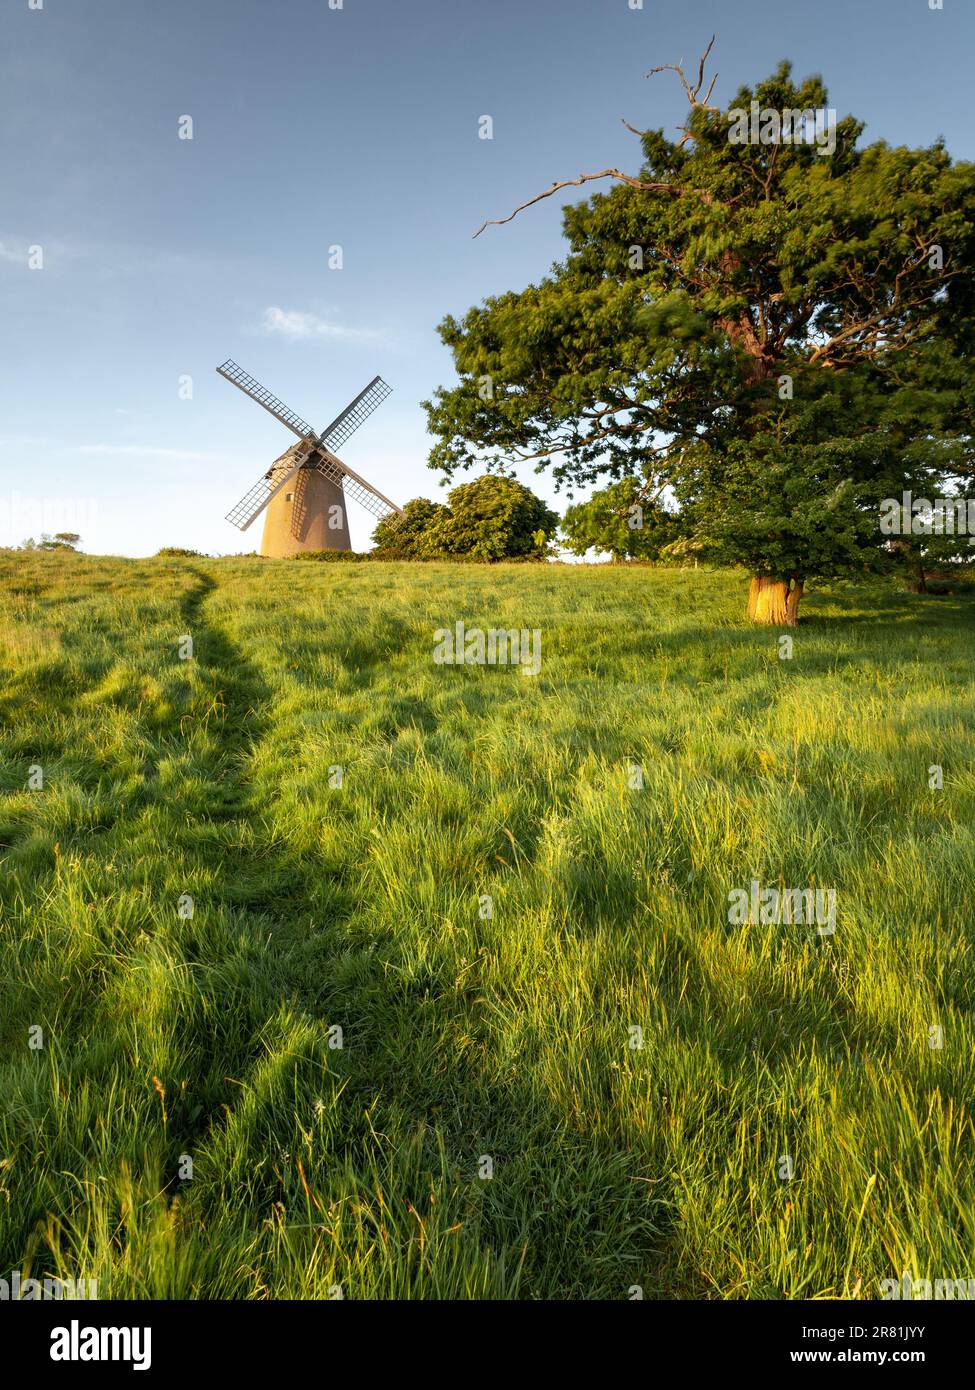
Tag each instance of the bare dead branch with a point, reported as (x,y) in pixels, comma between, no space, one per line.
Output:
(700,69)
(692,92)
(586,178)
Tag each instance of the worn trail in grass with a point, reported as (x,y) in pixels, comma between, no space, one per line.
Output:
(467,1037)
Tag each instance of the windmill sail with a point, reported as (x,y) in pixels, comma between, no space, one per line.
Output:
(252,503)
(359,410)
(253,388)
(352,485)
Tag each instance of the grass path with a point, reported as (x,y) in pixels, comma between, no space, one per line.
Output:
(465,1037)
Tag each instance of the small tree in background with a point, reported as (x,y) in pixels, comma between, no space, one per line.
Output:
(494,518)
(491,518)
(623,520)
(402,537)
(62,540)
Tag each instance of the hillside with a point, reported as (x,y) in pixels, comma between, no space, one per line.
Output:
(487,907)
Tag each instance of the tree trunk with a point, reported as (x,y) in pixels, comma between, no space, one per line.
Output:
(774,602)
(917,581)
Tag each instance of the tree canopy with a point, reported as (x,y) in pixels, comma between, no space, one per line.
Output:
(776,334)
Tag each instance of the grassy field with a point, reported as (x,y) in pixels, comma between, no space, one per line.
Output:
(467,1036)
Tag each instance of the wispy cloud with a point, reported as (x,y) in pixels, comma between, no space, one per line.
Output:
(302,327)
(105,259)
(15,249)
(25,441)
(132,451)
(145,451)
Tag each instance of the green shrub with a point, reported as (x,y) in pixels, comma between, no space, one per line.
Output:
(491,518)
(328,556)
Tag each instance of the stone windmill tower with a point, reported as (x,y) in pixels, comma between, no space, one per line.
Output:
(305,490)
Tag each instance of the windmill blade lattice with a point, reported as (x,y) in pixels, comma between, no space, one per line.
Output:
(355,487)
(253,388)
(253,502)
(346,424)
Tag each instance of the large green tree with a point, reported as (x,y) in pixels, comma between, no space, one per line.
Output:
(776,331)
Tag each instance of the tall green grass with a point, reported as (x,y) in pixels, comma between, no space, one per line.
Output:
(318,1169)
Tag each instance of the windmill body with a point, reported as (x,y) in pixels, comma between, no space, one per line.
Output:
(305,490)
(308,513)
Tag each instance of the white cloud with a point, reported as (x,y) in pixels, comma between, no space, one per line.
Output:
(144,451)
(301,327)
(25,441)
(109,260)
(133,451)
(14,249)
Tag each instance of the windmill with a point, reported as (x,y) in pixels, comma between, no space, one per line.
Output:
(305,489)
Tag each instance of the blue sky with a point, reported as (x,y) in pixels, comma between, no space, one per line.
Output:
(315,127)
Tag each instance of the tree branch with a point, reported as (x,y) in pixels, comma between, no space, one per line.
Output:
(587,178)
(692,92)
(692,96)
